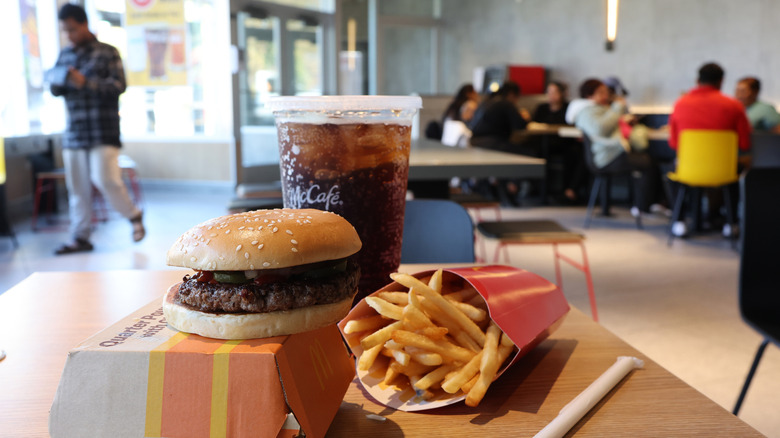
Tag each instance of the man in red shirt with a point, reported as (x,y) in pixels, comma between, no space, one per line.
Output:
(705,107)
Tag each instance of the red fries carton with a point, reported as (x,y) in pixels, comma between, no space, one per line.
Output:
(524,305)
(141,378)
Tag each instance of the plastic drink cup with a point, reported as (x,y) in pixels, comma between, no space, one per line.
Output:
(156,46)
(350,155)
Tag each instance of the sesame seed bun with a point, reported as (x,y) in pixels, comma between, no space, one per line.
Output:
(265,239)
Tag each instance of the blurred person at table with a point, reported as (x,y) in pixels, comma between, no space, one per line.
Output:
(553,112)
(705,107)
(629,123)
(761,115)
(611,150)
(463,106)
(497,121)
(638,135)
(497,124)
(574,108)
(93,80)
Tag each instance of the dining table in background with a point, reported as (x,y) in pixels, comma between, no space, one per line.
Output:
(432,165)
(48,313)
(653,134)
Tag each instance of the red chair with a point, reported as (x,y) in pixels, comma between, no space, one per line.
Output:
(541,232)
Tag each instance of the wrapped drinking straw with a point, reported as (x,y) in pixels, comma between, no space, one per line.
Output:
(570,414)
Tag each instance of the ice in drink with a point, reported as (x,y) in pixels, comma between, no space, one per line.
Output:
(356,164)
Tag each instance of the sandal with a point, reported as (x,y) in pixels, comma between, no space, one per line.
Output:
(78,245)
(139,232)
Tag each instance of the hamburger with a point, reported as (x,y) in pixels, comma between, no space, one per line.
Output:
(263,273)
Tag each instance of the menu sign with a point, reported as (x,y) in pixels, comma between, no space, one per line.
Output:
(156,43)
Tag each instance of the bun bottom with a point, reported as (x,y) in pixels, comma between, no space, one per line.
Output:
(251,325)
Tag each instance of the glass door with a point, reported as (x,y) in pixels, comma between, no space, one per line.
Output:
(305,38)
(259,77)
(280,51)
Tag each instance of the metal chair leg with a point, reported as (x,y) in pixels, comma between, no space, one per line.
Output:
(729,215)
(589,280)
(752,371)
(506,253)
(585,268)
(557,257)
(606,202)
(637,195)
(678,203)
(497,254)
(592,201)
(37,203)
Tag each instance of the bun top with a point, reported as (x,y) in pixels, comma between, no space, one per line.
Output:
(265,239)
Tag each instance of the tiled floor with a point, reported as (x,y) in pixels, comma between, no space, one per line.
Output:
(678,305)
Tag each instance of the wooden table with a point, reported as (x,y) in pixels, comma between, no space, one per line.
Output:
(48,313)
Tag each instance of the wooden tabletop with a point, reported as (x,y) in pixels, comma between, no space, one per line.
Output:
(48,313)
(431,160)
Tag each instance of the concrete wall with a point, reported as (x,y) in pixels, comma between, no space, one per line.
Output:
(660,43)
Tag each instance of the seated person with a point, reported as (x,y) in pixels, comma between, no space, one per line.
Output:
(629,124)
(659,151)
(497,119)
(611,151)
(553,112)
(463,105)
(762,116)
(705,107)
(496,125)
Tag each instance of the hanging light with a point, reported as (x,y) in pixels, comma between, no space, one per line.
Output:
(612,16)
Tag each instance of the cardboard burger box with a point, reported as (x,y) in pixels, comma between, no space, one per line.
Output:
(140,378)
(526,307)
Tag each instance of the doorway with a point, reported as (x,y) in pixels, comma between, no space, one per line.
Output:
(279,50)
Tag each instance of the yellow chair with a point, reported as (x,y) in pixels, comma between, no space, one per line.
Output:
(705,159)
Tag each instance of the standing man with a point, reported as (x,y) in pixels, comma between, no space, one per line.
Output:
(93,80)
(762,116)
(705,107)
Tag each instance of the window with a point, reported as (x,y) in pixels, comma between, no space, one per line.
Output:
(29,32)
(314,5)
(177,68)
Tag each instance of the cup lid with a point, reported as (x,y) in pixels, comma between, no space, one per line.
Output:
(343,103)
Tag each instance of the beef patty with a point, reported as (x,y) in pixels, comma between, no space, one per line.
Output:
(291,293)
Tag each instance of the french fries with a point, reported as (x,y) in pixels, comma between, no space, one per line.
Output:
(437,336)
(364,324)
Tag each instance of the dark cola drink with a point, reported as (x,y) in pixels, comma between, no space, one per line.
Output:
(358,170)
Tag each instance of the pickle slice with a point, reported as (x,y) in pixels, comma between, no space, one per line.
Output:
(231,277)
(326,272)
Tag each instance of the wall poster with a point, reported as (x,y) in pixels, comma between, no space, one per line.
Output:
(156,43)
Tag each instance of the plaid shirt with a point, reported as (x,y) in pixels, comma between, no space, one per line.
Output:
(93,110)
